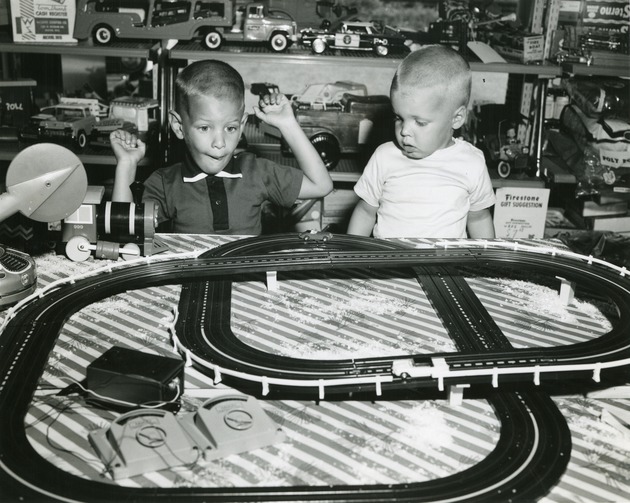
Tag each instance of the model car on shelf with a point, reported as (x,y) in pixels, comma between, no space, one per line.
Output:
(71,122)
(211,21)
(354,35)
(327,95)
(344,127)
(137,115)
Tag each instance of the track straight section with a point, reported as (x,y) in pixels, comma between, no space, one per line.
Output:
(468,322)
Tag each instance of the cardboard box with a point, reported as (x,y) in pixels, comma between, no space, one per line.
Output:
(607,15)
(43,20)
(570,11)
(523,48)
(16,103)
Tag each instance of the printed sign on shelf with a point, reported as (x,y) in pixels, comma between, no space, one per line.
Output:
(520,212)
(43,20)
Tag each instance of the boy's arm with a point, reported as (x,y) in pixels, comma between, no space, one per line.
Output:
(129,151)
(276,110)
(480,224)
(363,219)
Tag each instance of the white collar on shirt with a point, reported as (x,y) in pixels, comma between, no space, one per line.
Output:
(220,174)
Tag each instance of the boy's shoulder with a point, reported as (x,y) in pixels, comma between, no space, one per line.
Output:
(464,147)
(387,150)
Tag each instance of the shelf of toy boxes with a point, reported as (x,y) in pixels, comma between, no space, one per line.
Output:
(118,49)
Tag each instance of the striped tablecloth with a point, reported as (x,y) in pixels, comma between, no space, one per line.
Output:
(351,442)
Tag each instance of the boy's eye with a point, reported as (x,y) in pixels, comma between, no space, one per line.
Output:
(231,129)
(203,129)
(421,123)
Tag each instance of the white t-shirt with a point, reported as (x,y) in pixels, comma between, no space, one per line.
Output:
(428,197)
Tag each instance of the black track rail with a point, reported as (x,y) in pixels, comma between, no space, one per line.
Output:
(532,431)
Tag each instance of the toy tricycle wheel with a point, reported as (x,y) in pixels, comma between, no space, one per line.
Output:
(504,169)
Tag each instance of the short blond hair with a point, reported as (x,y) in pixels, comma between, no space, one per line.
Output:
(436,66)
(208,78)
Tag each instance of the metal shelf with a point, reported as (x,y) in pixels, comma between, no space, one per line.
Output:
(597,70)
(116,49)
(259,54)
(91,156)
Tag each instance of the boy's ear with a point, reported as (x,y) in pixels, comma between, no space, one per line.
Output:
(244,119)
(175,121)
(459,117)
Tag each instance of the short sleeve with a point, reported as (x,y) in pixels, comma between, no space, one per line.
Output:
(369,187)
(482,194)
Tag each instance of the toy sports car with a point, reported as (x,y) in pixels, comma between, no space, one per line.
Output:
(354,35)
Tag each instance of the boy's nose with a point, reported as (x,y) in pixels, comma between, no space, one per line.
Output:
(218,141)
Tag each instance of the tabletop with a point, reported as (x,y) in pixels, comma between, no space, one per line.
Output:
(347,442)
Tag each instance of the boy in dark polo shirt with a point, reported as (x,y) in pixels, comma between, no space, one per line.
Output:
(215,190)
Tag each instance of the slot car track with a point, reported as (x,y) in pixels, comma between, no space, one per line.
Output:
(205,309)
(534,445)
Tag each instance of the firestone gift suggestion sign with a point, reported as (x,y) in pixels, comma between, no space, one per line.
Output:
(520,212)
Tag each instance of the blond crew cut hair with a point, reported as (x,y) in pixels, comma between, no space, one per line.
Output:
(436,66)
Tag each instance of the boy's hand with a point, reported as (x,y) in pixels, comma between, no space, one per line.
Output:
(127,147)
(276,110)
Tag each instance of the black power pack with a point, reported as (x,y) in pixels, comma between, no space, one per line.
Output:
(124,378)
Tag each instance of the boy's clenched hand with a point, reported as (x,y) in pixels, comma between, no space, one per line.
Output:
(127,146)
(276,110)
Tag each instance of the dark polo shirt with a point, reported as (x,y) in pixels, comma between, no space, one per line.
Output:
(217,205)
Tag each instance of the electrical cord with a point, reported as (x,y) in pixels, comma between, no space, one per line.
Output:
(146,405)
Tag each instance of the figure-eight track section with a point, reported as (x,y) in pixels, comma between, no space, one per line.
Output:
(531,424)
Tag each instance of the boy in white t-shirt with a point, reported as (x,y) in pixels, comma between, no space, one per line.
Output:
(426,183)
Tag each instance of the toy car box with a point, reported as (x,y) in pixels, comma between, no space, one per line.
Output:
(519,46)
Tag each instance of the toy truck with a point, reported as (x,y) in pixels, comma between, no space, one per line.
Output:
(213,21)
(134,114)
(70,121)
